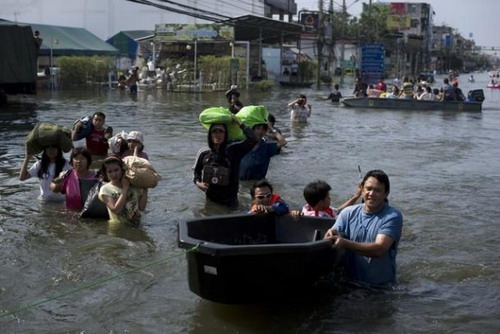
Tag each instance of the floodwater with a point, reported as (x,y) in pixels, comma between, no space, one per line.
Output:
(59,274)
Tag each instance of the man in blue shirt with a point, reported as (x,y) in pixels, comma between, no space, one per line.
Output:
(255,163)
(370,234)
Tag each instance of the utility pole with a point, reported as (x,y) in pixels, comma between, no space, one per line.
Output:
(342,46)
(320,43)
(331,50)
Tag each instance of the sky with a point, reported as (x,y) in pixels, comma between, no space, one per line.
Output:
(479,17)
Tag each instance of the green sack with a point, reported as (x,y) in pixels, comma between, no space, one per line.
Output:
(48,134)
(253,115)
(221,115)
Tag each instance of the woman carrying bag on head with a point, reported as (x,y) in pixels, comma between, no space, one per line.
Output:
(216,171)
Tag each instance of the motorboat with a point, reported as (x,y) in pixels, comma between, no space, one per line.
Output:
(473,103)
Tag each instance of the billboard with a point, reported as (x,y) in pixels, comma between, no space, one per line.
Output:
(310,21)
(398,22)
(191,32)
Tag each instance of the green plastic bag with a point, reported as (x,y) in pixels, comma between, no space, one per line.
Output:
(221,115)
(253,115)
(48,134)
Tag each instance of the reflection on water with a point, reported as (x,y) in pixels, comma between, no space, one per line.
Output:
(444,178)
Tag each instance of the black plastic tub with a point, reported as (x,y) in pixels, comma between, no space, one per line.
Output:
(243,259)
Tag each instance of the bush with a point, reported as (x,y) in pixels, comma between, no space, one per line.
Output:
(215,69)
(307,70)
(263,85)
(81,70)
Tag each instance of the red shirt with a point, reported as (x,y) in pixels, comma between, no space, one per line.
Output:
(381,86)
(97,144)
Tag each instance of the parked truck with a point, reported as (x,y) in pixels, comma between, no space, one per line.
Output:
(18,60)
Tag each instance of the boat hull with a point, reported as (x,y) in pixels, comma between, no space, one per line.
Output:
(411,104)
(243,259)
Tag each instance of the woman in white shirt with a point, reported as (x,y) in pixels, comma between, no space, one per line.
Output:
(46,169)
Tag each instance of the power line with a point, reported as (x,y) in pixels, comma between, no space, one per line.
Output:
(240,1)
(180,11)
(193,8)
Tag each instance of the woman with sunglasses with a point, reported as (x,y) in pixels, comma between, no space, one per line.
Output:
(265,201)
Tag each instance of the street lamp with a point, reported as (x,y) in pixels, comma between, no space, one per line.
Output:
(231,44)
(153,58)
(195,58)
(52,42)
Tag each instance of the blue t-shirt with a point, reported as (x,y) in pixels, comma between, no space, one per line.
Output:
(255,163)
(357,225)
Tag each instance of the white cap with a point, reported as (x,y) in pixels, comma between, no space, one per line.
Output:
(136,135)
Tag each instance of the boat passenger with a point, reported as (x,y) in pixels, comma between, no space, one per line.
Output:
(216,170)
(135,143)
(427,95)
(381,85)
(406,89)
(437,94)
(97,140)
(448,91)
(123,201)
(300,110)
(76,182)
(264,200)
(372,92)
(418,91)
(394,94)
(46,169)
(317,196)
(459,95)
(370,234)
(360,88)
(255,163)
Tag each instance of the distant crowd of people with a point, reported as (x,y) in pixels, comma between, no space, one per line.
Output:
(410,90)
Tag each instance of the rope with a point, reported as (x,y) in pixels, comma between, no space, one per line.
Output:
(93,284)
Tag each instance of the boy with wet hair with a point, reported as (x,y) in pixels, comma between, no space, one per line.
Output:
(317,196)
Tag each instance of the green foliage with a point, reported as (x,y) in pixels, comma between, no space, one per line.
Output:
(214,69)
(373,23)
(81,70)
(307,70)
(370,27)
(263,85)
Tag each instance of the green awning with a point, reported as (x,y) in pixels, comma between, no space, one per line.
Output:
(70,41)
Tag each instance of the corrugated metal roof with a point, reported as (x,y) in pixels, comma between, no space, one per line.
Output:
(137,34)
(252,28)
(68,41)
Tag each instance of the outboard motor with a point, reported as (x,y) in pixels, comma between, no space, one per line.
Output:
(476,95)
